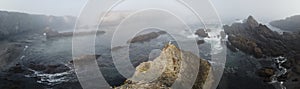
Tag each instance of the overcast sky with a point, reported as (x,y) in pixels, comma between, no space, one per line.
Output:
(264,10)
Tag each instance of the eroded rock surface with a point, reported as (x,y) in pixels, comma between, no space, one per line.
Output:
(163,71)
(260,41)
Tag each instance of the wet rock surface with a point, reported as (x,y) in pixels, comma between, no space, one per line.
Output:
(162,72)
(266,73)
(258,40)
(201,33)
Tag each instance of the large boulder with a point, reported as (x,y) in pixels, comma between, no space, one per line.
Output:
(201,33)
(162,72)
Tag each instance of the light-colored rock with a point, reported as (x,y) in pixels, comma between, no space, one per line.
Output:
(172,65)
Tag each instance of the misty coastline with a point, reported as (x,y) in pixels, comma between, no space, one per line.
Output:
(33,56)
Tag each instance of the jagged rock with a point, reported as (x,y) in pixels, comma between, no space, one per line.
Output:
(231,47)
(258,40)
(251,22)
(201,33)
(162,72)
(247,46)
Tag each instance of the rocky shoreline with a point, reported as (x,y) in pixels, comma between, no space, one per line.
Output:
(288,24)
(261,42)
(277,54)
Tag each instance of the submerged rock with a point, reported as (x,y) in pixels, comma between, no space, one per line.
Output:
(172,64)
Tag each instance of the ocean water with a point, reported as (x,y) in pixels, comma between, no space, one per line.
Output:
(238,73)
(59,51)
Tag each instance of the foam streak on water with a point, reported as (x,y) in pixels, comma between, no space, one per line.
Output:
(280,71)
(52,79)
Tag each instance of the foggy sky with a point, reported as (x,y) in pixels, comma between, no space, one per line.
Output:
(264,10)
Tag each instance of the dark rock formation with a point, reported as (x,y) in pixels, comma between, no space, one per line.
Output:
(266,73)
(251,22)
(258,40)
(175,65)
(296,63)
(146,37)
(201,33)
(288,24)
(261,42)
(231,47)
(14,23)
(200,42)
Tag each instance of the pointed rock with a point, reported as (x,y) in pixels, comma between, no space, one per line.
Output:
(252,22)
(172,64)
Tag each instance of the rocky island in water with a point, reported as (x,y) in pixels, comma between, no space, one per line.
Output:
(36,53)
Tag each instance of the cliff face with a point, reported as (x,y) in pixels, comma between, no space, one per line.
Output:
(288,24)
(260,41)
(13,23)
(162,72)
